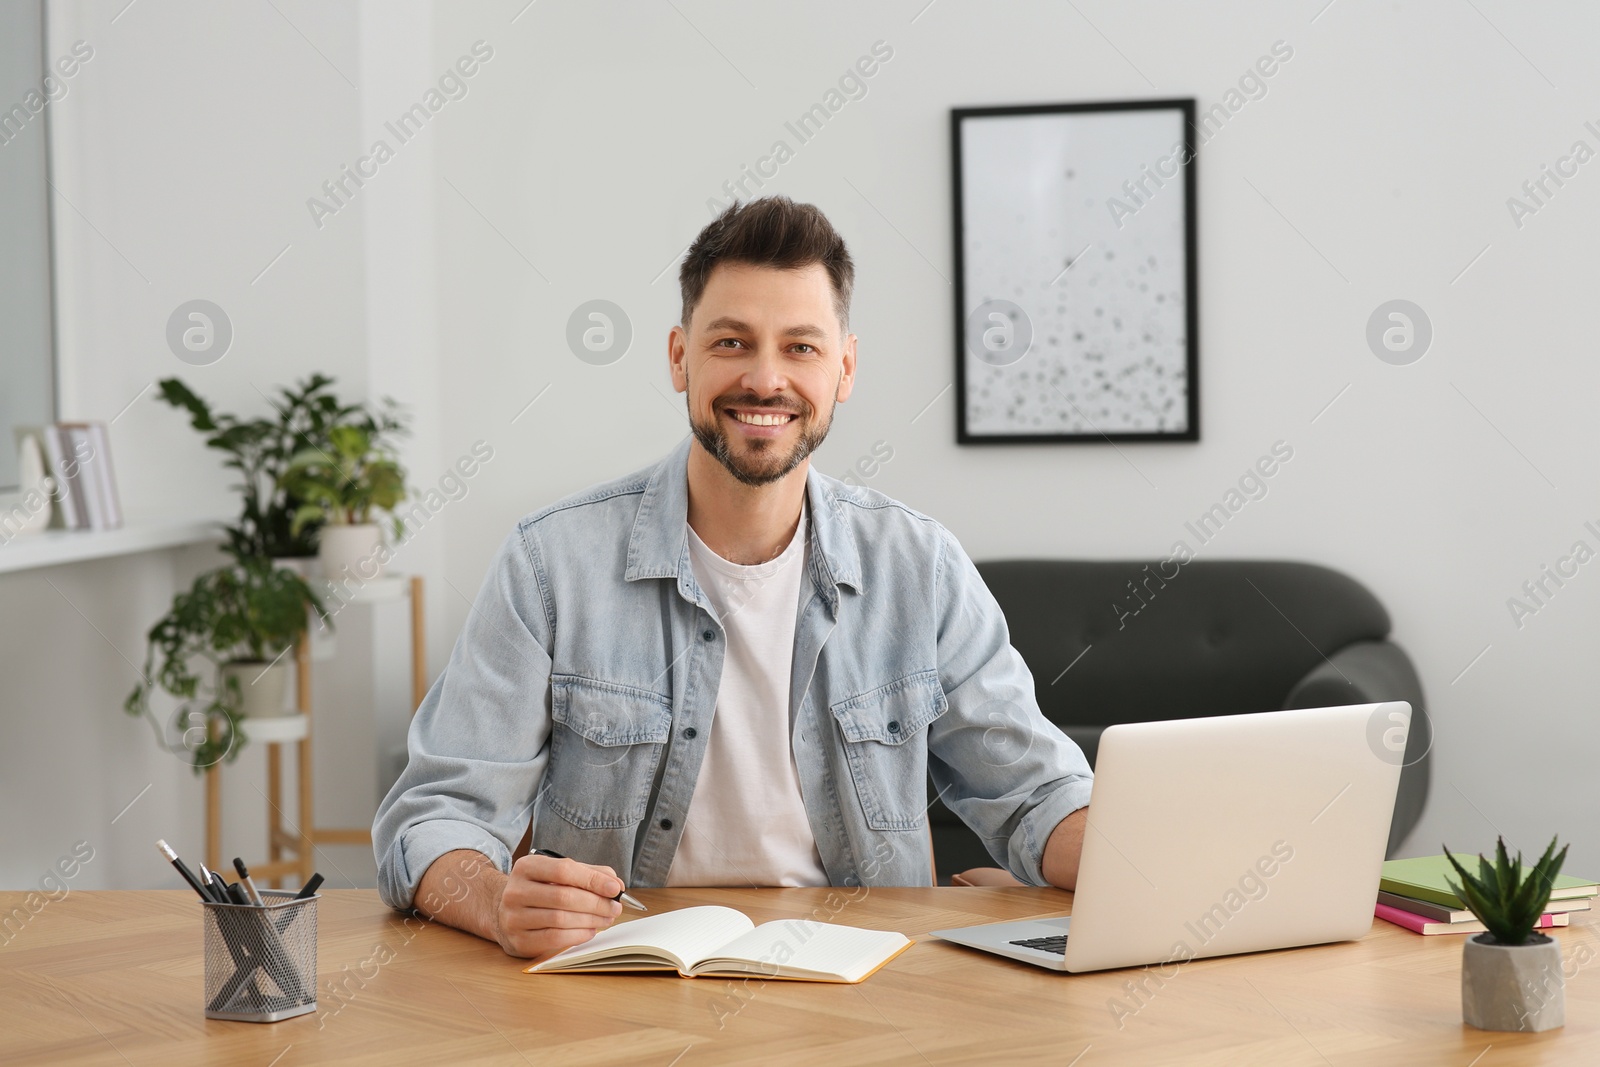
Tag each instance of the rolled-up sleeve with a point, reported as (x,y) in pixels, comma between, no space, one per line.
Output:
(1006,771)
(478,744)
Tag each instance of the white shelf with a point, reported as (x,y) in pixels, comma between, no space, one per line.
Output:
(51,548)
(389,587)
(275,729)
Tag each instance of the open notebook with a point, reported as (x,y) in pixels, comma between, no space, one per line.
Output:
(723,942)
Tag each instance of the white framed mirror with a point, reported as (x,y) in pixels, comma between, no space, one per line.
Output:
(27,343)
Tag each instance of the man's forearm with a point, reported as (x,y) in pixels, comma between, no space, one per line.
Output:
(1064,849)
(463,889)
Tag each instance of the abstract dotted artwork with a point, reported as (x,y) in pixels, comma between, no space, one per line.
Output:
(1075,273)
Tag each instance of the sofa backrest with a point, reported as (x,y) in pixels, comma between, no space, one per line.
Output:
(1133,641)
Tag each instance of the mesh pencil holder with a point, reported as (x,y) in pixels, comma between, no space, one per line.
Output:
(261,963)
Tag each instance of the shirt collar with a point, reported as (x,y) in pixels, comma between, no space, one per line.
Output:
(659,544)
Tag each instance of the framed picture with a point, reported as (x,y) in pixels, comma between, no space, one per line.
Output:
(1076,312)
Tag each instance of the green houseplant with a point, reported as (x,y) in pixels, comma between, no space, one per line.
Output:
(341,485)
(241,617)
(261,448)
(1511,975)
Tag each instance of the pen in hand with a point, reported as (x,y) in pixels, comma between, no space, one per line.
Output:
(621,897)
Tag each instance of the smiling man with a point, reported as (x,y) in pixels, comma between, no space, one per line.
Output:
(727,668)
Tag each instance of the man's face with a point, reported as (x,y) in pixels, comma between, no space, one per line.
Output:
(764,360)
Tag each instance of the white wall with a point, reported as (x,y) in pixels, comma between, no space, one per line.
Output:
(184,152)
(1387,146)
(585,150)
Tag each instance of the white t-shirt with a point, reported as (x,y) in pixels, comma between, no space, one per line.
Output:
(746,824)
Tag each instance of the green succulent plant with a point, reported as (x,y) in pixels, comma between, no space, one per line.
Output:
(1505,896)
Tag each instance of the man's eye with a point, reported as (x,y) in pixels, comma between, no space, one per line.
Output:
(808,349)
(727,341)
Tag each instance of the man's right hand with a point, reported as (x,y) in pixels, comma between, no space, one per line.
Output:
(543,906)
(550,904)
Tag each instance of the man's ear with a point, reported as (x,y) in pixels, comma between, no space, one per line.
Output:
(677,357)
(847,372)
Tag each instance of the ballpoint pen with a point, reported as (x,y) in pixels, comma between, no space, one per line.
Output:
(211,888)
(622,897)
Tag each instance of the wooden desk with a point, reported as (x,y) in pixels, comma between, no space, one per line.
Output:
(115,978)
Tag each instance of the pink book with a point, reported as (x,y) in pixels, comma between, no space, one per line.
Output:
(1421,924)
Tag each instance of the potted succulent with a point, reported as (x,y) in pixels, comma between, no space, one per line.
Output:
(241,617)
(342,483)
(1511,976)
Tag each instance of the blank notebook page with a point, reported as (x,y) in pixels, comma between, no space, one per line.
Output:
(803,945)
(688,933)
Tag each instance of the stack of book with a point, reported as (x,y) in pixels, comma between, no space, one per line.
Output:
(77,459)
(1416,894)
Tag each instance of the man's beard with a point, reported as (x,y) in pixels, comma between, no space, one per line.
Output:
(763,463)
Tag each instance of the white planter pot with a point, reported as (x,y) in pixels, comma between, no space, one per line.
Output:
(351,553)
(261,687)
(1512,987)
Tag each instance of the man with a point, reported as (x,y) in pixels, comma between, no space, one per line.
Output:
(728,668)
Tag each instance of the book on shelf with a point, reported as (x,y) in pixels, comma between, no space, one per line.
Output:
(1421,924)
(90,445)
(721,942)
(1428,878)
(68,511)
(1440,913)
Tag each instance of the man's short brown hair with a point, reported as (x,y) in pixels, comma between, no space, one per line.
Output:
(773,231)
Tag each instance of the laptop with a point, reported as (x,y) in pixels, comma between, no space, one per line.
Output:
(1208,837)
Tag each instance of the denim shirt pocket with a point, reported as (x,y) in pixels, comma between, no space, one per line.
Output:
(886,748)
(604,746)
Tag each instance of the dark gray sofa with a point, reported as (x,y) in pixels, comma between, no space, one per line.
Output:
(1210,637)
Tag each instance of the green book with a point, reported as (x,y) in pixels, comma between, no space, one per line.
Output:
(1428,877)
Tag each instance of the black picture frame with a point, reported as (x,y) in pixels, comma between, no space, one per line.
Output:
(1173,351)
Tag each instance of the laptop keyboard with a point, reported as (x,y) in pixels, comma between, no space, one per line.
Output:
(1056,943)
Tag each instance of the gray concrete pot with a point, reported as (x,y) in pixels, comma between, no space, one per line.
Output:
(1513,987)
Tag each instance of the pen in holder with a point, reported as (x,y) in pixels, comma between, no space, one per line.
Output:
(261,963)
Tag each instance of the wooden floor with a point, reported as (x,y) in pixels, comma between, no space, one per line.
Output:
(115,978)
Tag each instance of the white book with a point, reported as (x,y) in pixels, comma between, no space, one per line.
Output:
(90,472)
(58,451)
(722,942)
(111,503)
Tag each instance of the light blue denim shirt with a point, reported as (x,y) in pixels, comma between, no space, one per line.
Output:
(586,675)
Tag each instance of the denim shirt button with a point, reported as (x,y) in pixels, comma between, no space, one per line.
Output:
(709,635)
(894,727)
(689,733)
(666,824)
